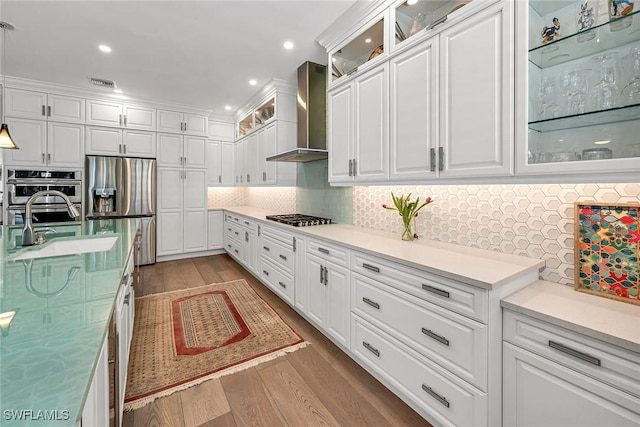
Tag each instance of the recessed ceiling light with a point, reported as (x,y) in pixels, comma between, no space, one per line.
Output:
(117,90)
(288,45)
(252,82)
(411,2)
(367,40)
(227,107)
(606,141)
(104,48)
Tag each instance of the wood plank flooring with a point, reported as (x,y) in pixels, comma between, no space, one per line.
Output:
(315,386)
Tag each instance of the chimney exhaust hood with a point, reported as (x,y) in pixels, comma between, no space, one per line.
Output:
(311,110)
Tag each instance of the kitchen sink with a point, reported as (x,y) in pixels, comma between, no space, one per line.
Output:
(67,247)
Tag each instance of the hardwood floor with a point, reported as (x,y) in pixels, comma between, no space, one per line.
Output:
(315,386)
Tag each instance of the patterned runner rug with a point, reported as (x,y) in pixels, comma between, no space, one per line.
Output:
(185,337)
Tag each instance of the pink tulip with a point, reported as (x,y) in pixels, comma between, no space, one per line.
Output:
(384,206)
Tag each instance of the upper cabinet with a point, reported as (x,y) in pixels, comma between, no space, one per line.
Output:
(115,114)
(580,90)
(258,117)
(182,123)
(221,131)
(28,104)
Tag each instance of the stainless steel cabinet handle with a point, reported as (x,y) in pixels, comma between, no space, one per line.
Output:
(282,284)
(125,120)
(42,157)
(49,111)
(283,257)
(237,233)
(436,396)
(264,176)
(321,274)
(48,157)
(219,179)
(371,267)
(228,228)
(258,230)
(355,168)
(436,291)
(185,126)
(323,250)
(248,177)
(265,272)
(435,336)
(247,223)
(350,167)
(120,119)
(266,248)
(326,276)
(246,236)
(371,348)
(235,250)
(575,353)
(371,303)
(119,148)
(432,159)
(124,148)
(127,297)
(440,158)
(43,111)
(294,244)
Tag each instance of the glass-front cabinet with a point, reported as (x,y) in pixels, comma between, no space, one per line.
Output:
(581,99)
(257,117)
(359,50)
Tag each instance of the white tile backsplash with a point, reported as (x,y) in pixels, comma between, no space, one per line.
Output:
(281,199)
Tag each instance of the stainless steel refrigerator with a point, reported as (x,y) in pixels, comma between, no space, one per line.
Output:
(123,187)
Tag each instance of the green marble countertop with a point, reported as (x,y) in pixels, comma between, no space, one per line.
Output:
(63,305)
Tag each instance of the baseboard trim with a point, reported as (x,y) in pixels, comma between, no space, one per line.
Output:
(190,255)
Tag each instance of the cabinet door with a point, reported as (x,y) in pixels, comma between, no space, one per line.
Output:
(476,94)
(66,109)
(250,156)
(30,136)
(65,145)
(214,173)
(316,290)
(195,190)
(271,148)
(195,230)
(338,309)
(413,112)
(138,143)
(540,392)
(196,124)
(25,104)
(216,224)
(103,141)
(170,237)
(239,169)
(250,250)
(227,163)
(169,121)
(220,131)
(136,117)
(169,150)
(169,189)
(104,113)
(194,150)
(371,143)
(96,407)
(340,134)
(261,156)
(170,212)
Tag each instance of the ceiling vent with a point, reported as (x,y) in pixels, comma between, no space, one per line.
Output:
(103,82)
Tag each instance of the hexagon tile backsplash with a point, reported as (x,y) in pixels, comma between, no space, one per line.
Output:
(535,220)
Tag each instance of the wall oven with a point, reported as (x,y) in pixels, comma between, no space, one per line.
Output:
(22,184)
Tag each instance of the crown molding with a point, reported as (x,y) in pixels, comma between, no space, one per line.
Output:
(263,94)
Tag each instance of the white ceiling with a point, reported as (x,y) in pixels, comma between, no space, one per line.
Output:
(196,53)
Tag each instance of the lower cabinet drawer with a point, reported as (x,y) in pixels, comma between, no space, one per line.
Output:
(278,253)
(233,248)
(279,282)
(610,364)
(440,394)
(453,341)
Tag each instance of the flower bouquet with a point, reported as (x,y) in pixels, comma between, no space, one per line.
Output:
(408,210)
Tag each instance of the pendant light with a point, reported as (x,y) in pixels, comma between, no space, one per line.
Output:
(5,137)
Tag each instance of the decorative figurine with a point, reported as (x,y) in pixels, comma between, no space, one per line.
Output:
(620,7)
(549,34)
(585,21)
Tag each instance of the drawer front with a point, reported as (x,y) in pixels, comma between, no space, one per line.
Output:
(280,282)
(326,251)
(247,223)
(278,253)
(453,341)
(234,248)
(281,236)
(456,296)
(235,231)
(440,394)
(610,364)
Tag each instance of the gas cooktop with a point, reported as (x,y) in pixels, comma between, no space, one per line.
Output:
(299,220)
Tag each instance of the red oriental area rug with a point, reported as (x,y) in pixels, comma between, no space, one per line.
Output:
(185,337)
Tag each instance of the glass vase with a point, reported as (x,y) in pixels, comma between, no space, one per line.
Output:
(409,229)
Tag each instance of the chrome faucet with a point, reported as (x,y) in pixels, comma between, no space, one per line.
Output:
(28,234)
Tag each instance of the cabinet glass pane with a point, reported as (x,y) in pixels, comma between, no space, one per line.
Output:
(412,18)
(584,80)
(358,51)
(245,125)
(265,112)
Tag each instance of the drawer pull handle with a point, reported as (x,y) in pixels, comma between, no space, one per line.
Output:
(236,251)
(436,396)
(324,251)
(282,284)
(229,229)
(371,267)
(575,353)
(266,248)
(237,234)
(371,348)
(321,274)
(436,291)
(265,272)
(371,303)
(246,223)
(283,257)
(435,336)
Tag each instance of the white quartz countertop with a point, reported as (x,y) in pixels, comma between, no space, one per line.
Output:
(478,267)
(611,321)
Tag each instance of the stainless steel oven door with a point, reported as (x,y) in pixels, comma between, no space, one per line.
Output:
(19,192)
(42,214)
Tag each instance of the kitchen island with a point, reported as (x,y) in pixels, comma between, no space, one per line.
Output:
(63,293)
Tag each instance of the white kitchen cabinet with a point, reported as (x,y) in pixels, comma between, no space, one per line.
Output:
(242,235)
(38,105)
(221,131)
(115,114)
(182,123)
(413,112)
(220,163)
(273,139)
(181,151)
(44,143)
(477,94)
(250,157)
(239,164)
(106,141)
(96,406)
(361,113)
(182,211)
(216,235)
(277,262)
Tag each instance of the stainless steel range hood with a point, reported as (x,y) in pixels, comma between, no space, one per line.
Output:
(312,112)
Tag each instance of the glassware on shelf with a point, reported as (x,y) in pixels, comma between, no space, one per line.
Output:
(575,89)
(619,9)
(605,93)
(418,23)
(547,98)
(631,92)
